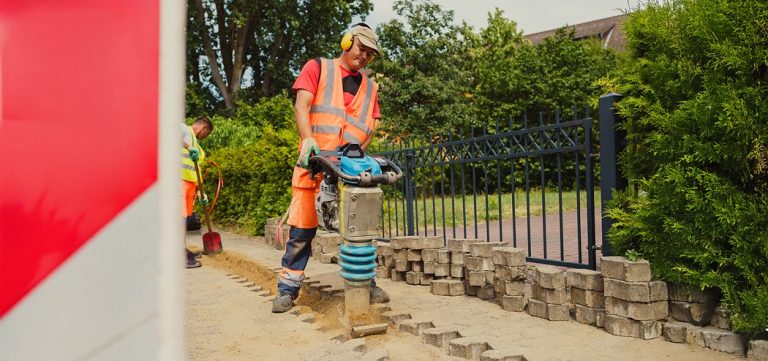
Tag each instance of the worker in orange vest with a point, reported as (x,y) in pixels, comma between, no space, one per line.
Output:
(191,152)
(335,104)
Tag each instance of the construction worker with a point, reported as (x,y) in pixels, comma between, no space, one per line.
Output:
(192,152)
(335,104)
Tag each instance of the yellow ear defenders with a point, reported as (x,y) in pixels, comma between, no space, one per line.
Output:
(346,43)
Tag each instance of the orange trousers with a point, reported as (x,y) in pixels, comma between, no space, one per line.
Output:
(188,197)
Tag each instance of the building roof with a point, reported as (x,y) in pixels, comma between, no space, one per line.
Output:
(608,30)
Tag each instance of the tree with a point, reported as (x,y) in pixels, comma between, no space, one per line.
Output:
(251,49)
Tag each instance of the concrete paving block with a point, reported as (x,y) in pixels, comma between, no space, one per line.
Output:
(490,277)
(496,355)
(484,249)
(457,258)
(588,298)
(372,329)
(439,336)
(476,278)
(699,314)
(401,242)
(457,271)
(631,291)
(429,267)
(383,272)
(413,255)
(486,292)
(469,348)
(426,242)
(686,293)
(549,277)
(413,278)
(621,268)
(402,265)
(513,303)
(514,288)
(429,255)
(389,261)
(537,308)
(621,326)
(724,341)
(442,270)
(508,256)
(417,267)
(674,331)
(758,350)
(553,296)
(500,287)
(415,327)
(472,290)
(400,254)
(721,318)
(395,317)
(694,336)
(585,279)
(558,312)
(461,245)
(447,287)
(385,250)
(443,256)
(398,276)
(658,290)
(641,311)
(510,273)
(478,263)
(587,315)
(426,279)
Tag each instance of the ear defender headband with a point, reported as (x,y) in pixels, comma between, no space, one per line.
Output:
(347,39)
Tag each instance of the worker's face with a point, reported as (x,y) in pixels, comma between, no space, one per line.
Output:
(358,55)
(202,131)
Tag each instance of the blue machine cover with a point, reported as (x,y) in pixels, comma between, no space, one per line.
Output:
(355,166)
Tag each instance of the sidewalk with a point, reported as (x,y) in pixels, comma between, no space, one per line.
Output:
(535,338)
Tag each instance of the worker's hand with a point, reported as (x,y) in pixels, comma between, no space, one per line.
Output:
(308,148)
(194,154)
(203,200)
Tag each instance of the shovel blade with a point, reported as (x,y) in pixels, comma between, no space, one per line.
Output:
(212,243)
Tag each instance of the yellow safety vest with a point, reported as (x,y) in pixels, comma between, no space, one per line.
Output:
(188,172)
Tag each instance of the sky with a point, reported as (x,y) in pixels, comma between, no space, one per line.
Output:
(531,16)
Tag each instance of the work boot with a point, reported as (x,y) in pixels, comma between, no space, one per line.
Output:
(197,254)
(378,295)
(282,303)
(191,261)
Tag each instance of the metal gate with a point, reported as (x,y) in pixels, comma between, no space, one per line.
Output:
(534,185)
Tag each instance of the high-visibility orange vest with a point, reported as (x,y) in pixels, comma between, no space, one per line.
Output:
(334,124)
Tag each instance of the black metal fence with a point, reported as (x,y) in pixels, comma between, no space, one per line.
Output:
(534,184)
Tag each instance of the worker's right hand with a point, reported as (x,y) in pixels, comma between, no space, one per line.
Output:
(194,154)
(308,148)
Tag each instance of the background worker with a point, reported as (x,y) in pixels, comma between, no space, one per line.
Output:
(192,152)
(335,104)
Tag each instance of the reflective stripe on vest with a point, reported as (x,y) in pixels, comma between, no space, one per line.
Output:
(188,172)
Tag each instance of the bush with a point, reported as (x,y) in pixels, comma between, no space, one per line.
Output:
(697,123)
(257,180)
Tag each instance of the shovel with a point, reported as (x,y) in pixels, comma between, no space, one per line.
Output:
(211,239)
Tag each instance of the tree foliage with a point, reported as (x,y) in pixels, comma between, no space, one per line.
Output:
(697,122)
(246,50)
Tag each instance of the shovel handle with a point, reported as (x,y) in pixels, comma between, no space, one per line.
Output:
(200,189)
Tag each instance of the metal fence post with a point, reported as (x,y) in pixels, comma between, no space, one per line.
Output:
(410,229)
(612,142)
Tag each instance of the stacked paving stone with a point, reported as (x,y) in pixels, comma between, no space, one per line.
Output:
(384,259)
(633,303)
(412,259)
(699,322)
(325,247)
(480,270)
(510,275)
(549,299)
(459,251)
(587,296)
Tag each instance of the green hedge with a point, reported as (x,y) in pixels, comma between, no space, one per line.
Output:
(697,123)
